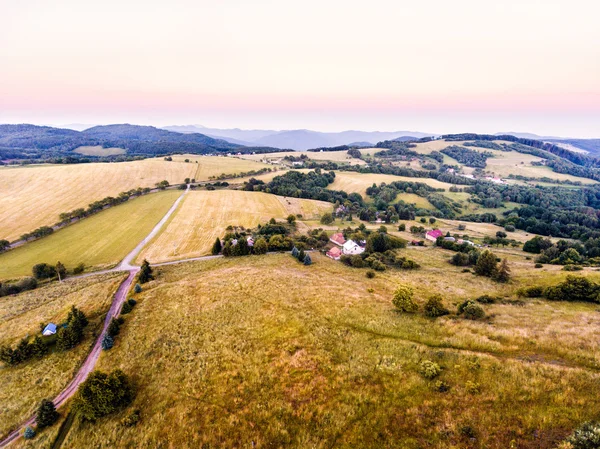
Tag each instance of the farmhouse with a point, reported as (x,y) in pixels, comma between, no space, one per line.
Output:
(433,234)
(334,253)
(351,248)
(338,239)
(50,329)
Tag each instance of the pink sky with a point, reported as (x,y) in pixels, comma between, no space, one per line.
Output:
(436,66)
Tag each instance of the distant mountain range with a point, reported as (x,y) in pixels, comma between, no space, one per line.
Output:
(298,139)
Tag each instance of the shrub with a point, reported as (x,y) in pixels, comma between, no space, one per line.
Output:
(132,419)
(574,288)
(473,311)
(327,218)
(585,437)
(538,265)
(377,265)
(441,386)
(145,274)
(403,299)
(46,414)
(429,370)
(486,264)
(261,246)
(301,255)
(460,260)
(137,288)
(461,227)
(102,394)
(434,307)
(29,433)
(126,308)
(132,302)
(402,227)
(357,261)
(43,271)
(370,274)
(572,268)
(107,342)
(80,268)
(530,292)
(113,328)
(472,387)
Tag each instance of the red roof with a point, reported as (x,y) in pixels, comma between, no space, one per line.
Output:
(334,252)
(338,238)
(435,233)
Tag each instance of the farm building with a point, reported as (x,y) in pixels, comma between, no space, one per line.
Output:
(433,234)
(338,239)
(351,248)
(334,253)
(50,329)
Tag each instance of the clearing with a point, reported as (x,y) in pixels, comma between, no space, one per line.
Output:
(204,215)
(100,240)
(327,361)
(99,151)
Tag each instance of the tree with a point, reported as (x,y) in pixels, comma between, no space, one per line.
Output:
(260,246)
(301,255)
(145,273)
(291,219)
(114,328)
(486,264)
(29,433)
(4,245)
(307,260)
(403,299)
(295,252)
(43,271)
(327,218)
(502,274)
(501,235)
(402,227)
(102,394)
(432,220)
(107,342)
(46,414)
(137,288)
(38,347)
(61,271)
(473,311)
(217,247)
(434,307)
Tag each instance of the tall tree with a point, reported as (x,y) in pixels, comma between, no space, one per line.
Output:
(217,247)
(486,264)
(46,414)
(145,273)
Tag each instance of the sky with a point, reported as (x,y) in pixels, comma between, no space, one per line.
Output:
(434,66)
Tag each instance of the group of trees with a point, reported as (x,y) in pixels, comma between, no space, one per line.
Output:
(38,233)
(12,288)
(102,394)
(47,271)
(67,337)
(573,288)
(484,263)
(301,256)
(466,156)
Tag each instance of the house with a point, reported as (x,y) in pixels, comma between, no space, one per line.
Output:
(351,248)
(334,253)
(50,329)
(338,239)
(433,234)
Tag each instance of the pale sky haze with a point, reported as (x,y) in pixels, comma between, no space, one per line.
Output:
(435,66)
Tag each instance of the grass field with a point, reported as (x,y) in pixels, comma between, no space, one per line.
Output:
(358,182)
(99,151)
(218,360)
(209,166)
(335,156)
(100,240)
(35,196)
(25,385)
(204,215)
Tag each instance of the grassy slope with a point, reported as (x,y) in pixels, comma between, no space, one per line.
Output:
(25,385)
(220,360)
(204,215)
(207,166)
(35,196)
(100,240)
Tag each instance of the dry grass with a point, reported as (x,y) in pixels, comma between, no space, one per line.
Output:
(219,360)
(208,166)
(358,182)
(100,240)
(204,215)
(334,156)
(99,151)
(25,385)
(34,196)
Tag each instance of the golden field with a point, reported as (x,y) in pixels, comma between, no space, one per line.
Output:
(26,384)
(218,360)
(204,215)
(34,196)
(334,156)
(98,241)
(207,167)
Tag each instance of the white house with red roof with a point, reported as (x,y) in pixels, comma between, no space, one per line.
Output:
(433,234)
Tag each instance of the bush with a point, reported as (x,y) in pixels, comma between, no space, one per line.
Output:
(46,414)
(43,271)
(572,268)
(29,433)
(574,288)
(370,274)
(145,274)
(80,268)
(461,227)
(113,328)
(509,228)
(486,299)
(538,265)
(585,437)
(126,308)
(460,260)
(132,302)
(473,311)
(102,394)
(486,264)
(434,307)
(132,419)
(530,292)
(261,246)
(402,227)
(137,288)
(107,342)
(327,218)
(403,299)
(429,370)
(441,386)
(472,387)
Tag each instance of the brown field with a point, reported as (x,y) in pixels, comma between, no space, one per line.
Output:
(327,361)
(35,196)
(25,385)
(204,215)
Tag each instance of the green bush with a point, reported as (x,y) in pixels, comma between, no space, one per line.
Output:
(531,292)
(403,299)
(79,269)
(472,387)
(126,308)
(370,274)
(102,394)
(132,419)
(107,342)
(137,288)
(29,433)
(473,312)
(46,414)
(538,265)
(585,437)
(434,307)
(429,370)
(441,386)
(574,288)
(486,299)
